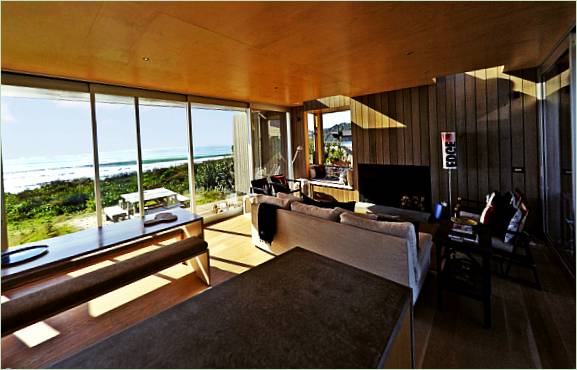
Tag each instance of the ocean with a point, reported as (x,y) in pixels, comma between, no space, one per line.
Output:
(31,172)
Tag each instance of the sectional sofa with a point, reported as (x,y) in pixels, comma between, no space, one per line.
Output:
(387,249)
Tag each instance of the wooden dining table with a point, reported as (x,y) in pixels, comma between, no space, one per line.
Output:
(80,248)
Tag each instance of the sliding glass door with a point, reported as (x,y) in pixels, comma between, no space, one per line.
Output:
(164,140)
(221,160)
(269,143)
(117,151)
(52,141)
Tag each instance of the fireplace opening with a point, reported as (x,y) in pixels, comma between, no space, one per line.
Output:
(397,186)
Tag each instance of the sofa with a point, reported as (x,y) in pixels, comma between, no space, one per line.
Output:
(383,254)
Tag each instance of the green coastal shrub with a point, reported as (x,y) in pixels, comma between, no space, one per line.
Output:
(213,179)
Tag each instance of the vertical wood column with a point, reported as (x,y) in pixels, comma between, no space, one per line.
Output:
(139,158)
(319,139)
(96,162)
(190,141)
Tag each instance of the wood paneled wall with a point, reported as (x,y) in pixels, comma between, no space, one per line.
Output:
(493,113)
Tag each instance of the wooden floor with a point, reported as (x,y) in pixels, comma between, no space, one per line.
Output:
(531,328)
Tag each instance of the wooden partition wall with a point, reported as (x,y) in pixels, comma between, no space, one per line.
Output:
(493,113)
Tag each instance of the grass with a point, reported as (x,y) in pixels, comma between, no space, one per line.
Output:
(45,227)
(39,228)
(51,209)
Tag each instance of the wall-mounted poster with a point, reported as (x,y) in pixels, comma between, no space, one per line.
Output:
(449,147)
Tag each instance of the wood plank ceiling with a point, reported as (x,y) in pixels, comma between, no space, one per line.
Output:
(281,53)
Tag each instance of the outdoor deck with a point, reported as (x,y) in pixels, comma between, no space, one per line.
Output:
(531,328)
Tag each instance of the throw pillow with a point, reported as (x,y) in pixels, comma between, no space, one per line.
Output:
(504,212)
(325,213)
(517,222)
(403,230)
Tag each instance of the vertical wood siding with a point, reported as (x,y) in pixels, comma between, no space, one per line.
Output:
(493,113)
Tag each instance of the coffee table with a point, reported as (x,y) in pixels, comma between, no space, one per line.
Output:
(298,310)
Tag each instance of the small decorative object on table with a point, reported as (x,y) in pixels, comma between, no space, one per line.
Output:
(21,255)
(463,232)
(464,221)
(161,217)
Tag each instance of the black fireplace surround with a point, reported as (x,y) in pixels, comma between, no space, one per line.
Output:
(396,186)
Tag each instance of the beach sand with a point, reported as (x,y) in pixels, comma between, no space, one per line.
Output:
(83,222)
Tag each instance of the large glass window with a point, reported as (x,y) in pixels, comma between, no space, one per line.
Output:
(330,144)
(48,163)
(221,160)
(269,140)
(332,131)
(164,140)
(116,125)
(48,159)
(337,138)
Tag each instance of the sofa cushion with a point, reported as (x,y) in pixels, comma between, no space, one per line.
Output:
(279,202)
(399,218)
(403,230)
(369,216)
(331,214)
(291,198)
(349,206)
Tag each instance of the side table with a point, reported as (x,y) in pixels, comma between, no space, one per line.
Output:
(476,283)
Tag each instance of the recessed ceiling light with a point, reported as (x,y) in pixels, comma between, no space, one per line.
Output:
(146,59)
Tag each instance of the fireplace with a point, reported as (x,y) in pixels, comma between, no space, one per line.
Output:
(396,186)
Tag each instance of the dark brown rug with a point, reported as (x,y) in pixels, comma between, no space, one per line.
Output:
(299,310)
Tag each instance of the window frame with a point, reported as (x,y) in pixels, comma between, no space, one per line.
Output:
(50,83)
(319,156)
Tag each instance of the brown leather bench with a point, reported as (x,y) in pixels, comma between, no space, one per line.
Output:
(31,308)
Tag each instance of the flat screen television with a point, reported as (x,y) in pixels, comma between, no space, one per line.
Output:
(386,184)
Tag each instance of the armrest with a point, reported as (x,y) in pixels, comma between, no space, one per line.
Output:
(292,191)
(262,190)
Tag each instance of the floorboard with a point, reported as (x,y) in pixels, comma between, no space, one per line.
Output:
(531,328)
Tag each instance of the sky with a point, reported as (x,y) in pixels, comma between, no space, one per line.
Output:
(47,127)
(334,118)
(330,119)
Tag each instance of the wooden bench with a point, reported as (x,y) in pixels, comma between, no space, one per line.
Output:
(31,308)
(76,250)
